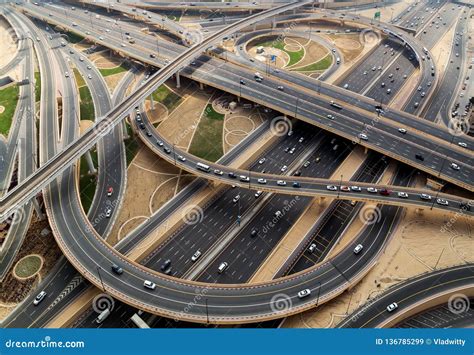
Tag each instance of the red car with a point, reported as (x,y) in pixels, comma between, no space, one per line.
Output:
(385,192)
(110,191)
(345,188)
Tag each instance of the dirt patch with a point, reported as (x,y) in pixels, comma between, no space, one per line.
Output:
(349,45)
(113,80)
(159,112)
(8,46)
(38,241)
(103,61)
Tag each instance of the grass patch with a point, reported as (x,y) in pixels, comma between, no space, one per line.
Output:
(111,71)
(28,266)
(37,86)
(87,183)
(207,140)
(87,105)
(322,64)
(74,37)
(79,79)
(295,57)
(131,145)
(167,97)
(9,100)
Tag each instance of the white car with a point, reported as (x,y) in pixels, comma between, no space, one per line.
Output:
(402,130)
(261,161)
(258,193)
(425,197)
(181,158)
(372,190)
(455,166)
(442,202)
(462,144)
(358,248)
(39,298)
(402,195)
(236,198)
(363,136)
(218,172)
(312,248)
(196,256)
(392,306)
(283,168)
(304,293)
(262,181)
(356,188)
(108,212)
(244,178)
(331,117)
(331,188)
(150,285)
(281,183)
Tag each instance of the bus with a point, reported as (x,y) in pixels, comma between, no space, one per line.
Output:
(203,167)
(102,316)
(139,322)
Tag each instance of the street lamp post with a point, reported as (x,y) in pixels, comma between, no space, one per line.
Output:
(100,277)
(340,185)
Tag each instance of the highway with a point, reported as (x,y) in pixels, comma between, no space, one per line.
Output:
(215,307)
(436,160)
(409,294)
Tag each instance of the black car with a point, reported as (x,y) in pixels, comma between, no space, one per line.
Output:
(465,206)
(419,157)
(167,150)
(232,175)
(117,269)
(165,265)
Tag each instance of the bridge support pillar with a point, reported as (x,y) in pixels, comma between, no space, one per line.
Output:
(125,130)
(152,102)
(178,80)
(366,150)
(254,28)
(250,12)
(90,163)
(201,86)
(273,23)
(37,208)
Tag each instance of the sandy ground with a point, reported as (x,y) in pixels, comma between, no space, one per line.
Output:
(113,80)
(238,125)
(8,47)
(163,179)
(419,245)
(103,60)
(84,125)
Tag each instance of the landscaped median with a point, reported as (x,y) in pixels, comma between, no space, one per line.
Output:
(207,140)
(8,102)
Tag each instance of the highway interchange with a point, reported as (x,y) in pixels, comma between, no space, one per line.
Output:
(80,236)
